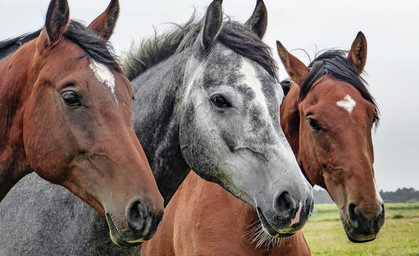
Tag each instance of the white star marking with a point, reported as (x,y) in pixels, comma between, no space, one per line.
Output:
(347,103)
(104,75)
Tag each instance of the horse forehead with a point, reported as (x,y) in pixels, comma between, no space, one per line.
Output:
(338,105)
(347,103)
(350,100)
(251,78)
(103,74)
(256,86)
(72,52)
(340,93)
(263,101)
(222,67)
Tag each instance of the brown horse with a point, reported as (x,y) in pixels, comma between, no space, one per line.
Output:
(204,219)
(328,123)
(66,114)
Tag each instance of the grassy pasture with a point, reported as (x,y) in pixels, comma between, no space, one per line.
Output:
(399,236)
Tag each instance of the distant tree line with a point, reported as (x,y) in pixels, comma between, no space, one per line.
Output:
(401,195)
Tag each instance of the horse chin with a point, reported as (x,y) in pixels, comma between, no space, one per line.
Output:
(357,237)
(268,229)
(362,239)
(116,236)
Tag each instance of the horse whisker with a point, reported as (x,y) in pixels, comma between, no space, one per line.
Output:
(260,238)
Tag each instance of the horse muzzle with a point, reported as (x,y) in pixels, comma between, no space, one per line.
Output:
(361,229)
(140,225)
(288,216)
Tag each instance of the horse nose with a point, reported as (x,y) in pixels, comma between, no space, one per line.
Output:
(363,225)
(285,206)
(353,215)
(137,214)
(141,219)
(293,208)
(356,214)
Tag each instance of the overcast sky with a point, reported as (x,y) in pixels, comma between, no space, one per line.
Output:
(391,28)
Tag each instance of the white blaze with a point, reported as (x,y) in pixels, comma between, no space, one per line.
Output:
(347,103)
(103,74)
(251,79)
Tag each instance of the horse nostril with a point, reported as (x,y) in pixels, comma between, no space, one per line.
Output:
(137,214)
(353,215)
(284,205)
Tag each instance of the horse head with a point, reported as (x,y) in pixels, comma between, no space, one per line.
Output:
(230,131)
(327,116)
(76,125)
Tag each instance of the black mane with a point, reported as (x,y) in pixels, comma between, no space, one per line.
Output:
(9,46)
(334,64)
(233,35)
(95,46)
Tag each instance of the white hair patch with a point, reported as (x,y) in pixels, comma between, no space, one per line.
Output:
(103,74)
(251,79)
(347,103)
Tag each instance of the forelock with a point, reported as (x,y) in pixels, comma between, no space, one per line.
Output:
(95,46)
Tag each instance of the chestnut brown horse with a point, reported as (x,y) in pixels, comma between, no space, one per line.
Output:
(328,123)
(200,222)
(65,111)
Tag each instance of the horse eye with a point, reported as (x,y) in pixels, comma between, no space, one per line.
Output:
(314,124)
(71,98)
(219,101)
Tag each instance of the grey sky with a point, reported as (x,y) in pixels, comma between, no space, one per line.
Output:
(391,28)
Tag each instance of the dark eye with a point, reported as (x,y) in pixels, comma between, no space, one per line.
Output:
(314,124)
(71,98)
(219,101)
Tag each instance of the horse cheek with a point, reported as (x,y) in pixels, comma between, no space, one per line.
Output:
(42,142)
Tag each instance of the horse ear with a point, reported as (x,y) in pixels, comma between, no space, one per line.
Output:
(105,23)
(57,20)
(294,67)
(259,20)
(213,23)
(358,52)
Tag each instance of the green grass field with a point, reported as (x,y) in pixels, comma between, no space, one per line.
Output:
(399,235)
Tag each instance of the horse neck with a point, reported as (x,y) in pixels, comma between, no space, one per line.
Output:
(15,87)
(11,46)
(8,51)
(156,117)
(290,118)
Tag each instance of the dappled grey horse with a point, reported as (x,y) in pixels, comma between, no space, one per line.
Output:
(207,99)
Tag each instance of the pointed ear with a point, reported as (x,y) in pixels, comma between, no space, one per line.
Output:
(259,20)
(294,67)
(358,52)
(213,23)
(57,20)
(105,23)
